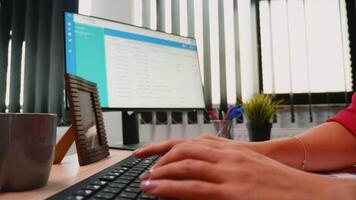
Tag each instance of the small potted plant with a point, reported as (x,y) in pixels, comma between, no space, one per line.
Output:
(259,111)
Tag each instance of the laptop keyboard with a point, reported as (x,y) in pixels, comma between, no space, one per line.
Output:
(119,181)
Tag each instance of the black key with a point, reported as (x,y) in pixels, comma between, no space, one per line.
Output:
(145,163)
(122,181)
(84,193)
(114,174)
(104,195)
(108,178)
(117,185)
(74,197)
(120,171)
(101,183)
(128,165)
(123,168)
(140,165)
(132,174)
(125,177)
(133,184)
(147,196)
(139,168)
(132,189)
(128,195)
(136,171)
(112,190)
(93,187)
(121,198)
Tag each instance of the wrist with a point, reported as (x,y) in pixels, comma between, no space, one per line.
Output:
(259,147)
(285,150)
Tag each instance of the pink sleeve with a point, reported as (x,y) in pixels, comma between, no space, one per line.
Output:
(347,117)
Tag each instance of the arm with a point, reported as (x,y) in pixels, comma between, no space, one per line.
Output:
(329,146)
(240,170)
(234,172)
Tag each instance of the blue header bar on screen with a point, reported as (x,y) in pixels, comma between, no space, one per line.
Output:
(143,38)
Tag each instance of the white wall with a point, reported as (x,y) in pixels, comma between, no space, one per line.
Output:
(117,10)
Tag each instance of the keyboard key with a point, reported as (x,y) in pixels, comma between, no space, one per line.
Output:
(101,183)
(147,161)
(137,181)
(104,195)
(140,168)
(135,185)
(122,181)
(108,178)
(114,174)
(93,187)
(136,171)
(74,197)
(124,177)
(84,193)
(124,167)
(128,195)
(117,185)
(112,190)
(145,196)
(120,171)
(133,174)
(132,189)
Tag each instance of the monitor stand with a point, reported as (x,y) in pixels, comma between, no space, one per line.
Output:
(130,132)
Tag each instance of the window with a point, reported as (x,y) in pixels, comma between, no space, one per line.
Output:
(304,46)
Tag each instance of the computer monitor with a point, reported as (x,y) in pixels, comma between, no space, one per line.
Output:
(135,68)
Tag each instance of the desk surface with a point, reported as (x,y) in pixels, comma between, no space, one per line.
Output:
(66,174)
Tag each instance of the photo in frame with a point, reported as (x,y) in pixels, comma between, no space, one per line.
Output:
(87,120)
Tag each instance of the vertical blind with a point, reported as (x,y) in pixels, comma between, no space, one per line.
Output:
(31,47)
(214,24)
(299,40)
(31,55)
(302,39)
(351,22)
(305,50)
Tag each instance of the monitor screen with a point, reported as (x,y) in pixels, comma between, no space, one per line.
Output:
(134,67)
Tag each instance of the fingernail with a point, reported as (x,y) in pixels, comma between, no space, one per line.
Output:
(149,185)
(145,176)
(154,165)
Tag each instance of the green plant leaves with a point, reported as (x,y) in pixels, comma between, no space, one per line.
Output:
(261,108)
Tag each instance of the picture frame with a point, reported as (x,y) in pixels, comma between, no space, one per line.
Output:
(87,120)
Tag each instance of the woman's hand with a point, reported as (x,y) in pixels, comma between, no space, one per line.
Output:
(163,147)
(214,168)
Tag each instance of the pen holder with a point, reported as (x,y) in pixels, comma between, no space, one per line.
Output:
(223,128)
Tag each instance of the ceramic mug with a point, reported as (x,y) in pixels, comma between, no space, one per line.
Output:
(27,144)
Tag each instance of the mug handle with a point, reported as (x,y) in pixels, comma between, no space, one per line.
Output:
(5,131)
